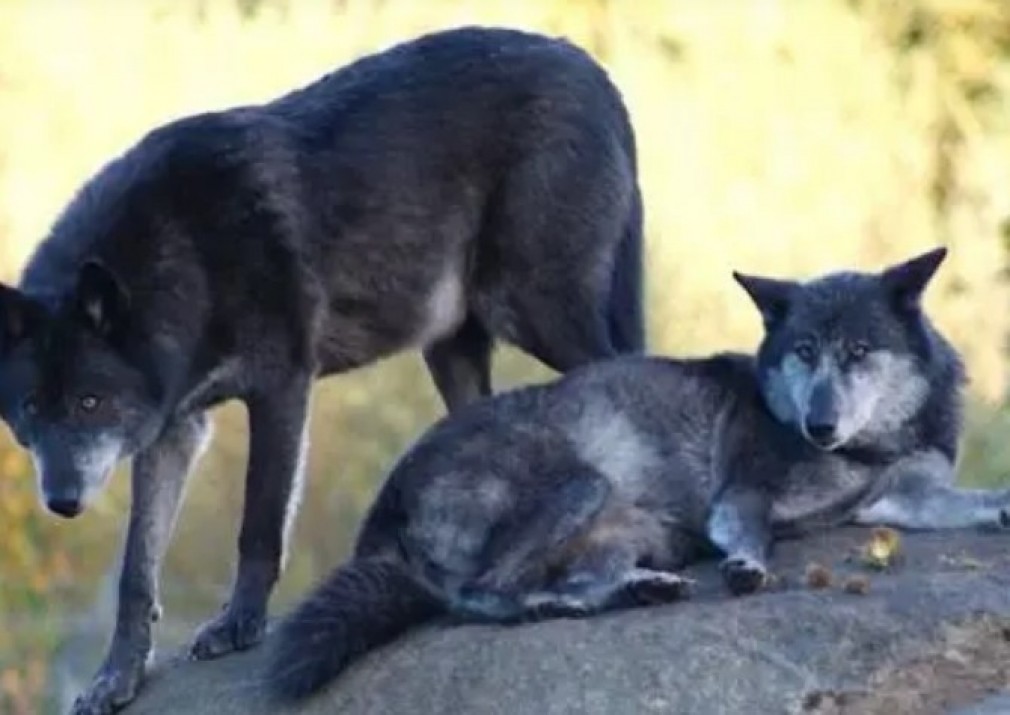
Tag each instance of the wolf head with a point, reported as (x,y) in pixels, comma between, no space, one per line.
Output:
(66,390)
(846,357)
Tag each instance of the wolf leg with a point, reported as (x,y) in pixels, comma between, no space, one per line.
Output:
(522,548)
(545,277)
(277,453)
(921,497)
(583,594)
(606,576)
(939,507)
(561,328)
(597,567)
(460,365)
(159,477)
(739,525)
(592,595)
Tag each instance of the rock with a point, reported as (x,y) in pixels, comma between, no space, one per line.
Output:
(931,634)
(998,704)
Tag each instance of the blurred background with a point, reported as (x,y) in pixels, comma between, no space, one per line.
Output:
(788,137)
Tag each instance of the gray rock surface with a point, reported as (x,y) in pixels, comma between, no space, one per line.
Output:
(998,704)
(931,635)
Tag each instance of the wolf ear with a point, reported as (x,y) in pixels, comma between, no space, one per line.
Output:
(18,315)
(771,296)
(906,281)
(101,300)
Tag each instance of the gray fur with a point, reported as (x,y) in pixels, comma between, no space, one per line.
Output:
(159,479)
(589,493)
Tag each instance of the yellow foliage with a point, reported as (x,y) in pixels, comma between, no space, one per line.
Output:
(781,136)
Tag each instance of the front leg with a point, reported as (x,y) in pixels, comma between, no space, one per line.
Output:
(159,476)
(277,449)
(740,525)
(921,496)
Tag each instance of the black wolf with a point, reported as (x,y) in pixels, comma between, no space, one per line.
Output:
(588,494)
(469,185)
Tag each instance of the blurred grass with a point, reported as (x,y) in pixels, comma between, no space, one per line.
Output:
(780,136)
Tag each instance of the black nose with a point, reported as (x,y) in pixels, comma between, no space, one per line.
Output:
(821,431)
(68,508)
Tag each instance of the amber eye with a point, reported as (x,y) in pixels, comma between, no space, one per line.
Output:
(805,351)
(857,351)
(89,403)
(30,405)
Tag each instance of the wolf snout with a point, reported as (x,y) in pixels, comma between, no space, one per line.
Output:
(67,507)
(822,431)
(821,420)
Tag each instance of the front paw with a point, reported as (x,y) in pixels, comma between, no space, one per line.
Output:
(110,691)
(743,574)
(234,629)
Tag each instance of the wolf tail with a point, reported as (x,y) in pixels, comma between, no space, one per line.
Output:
(625,312)
(362,605)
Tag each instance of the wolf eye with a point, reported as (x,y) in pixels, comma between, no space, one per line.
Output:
(805,351)
(857,351)
(30,405)
(89,403)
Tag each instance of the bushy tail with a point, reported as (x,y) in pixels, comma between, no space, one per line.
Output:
(626,312)
(362,605)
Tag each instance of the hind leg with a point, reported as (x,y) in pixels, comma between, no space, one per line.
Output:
(544,273)
(460,365)
(602,567)
(625,560)
(612,583)
(562,325)
(604,579)
(564,330)
(522,548)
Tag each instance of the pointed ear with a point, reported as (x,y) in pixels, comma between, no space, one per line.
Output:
(18,315)
(101,300)
(906,281)
(771,296)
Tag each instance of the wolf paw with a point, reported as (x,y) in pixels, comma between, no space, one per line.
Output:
(656,587)
(111,690)
(543,606)
(743,575)
(232,630)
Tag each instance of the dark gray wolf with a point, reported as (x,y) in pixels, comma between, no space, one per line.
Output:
(588,493)
(467,186)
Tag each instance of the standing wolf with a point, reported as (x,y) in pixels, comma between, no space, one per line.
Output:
(587,494)
(469,185)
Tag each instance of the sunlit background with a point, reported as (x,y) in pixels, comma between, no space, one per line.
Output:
(788,137)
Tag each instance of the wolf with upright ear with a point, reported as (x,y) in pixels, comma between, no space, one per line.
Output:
(101,299)
(771,296)
(906,282)
(18,314)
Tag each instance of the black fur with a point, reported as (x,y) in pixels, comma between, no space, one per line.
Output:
(627,317)
(468,186)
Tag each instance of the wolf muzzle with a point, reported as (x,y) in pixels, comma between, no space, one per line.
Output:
(821,420)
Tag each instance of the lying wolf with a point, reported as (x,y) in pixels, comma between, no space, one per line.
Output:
(469,185)
(589,493)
